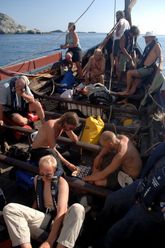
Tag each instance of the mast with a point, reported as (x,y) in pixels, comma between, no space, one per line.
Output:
(129,4)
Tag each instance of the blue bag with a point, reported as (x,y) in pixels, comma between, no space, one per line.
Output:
(24,180)
(67,82)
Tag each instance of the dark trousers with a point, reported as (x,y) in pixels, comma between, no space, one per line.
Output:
(123,222)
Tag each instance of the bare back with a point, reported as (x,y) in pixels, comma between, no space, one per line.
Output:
(131,162)
(47,135)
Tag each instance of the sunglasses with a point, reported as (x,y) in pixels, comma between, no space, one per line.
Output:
(49,176)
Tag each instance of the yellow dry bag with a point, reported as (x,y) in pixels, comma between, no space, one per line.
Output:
(92,130)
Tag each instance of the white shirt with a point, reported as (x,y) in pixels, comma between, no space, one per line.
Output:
(124,25)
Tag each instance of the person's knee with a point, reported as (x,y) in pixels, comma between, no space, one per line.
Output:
(77,210)
(36,105)
(9,208)
(130,73)
(19,119)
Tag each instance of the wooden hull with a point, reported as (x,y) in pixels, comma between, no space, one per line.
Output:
(31,66)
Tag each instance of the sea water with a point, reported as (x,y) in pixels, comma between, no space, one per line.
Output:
(15,48)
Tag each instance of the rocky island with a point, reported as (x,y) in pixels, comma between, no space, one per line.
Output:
(9,26)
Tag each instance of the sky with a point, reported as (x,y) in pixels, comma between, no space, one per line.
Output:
(48,15)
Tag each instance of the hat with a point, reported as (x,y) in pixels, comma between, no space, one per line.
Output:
(149,34)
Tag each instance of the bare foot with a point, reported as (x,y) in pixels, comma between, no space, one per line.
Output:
(123,93)
(124,101)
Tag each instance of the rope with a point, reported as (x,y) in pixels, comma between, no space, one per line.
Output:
(156,102)
(112,62)
(57,38)
(84,12)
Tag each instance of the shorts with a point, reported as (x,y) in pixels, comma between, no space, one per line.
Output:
(77,54)
(124,63)
(145,71)
(116,48)
(112,181)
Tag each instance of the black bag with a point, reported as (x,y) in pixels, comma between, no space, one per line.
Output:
(101,97)
(18,153)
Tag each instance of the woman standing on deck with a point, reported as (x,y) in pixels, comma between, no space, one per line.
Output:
(73,45)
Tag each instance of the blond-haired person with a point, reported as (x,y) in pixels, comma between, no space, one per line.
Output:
(50,220)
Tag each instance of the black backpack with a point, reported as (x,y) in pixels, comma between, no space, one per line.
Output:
(101,97)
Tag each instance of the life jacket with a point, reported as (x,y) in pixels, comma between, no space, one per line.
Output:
(146,52)
(14,98)
(151,190)
(39,193)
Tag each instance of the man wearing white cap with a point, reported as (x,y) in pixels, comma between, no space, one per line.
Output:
(152,55)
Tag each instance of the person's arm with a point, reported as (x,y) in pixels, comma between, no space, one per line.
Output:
(112,167)
(28,98)
(34,205)
(160,57)
(123,49)
(52,145)
(72,136)
(70,166)
(99,159)
(62,206)
(22,92)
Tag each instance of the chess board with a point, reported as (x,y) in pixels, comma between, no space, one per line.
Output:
(82,171)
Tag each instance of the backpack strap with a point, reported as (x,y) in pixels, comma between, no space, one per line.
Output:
(39,193)
(14,97)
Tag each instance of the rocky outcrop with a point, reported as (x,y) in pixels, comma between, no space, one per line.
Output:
(9,26)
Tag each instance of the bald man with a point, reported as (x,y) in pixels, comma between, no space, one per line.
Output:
(16,100)
(126,163)
(95,68)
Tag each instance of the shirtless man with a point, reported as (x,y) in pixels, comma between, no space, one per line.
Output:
(50,206)
(126,159)
(152,53)
(45,141)
(95,68)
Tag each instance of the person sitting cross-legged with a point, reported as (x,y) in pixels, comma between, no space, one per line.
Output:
(49,221)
